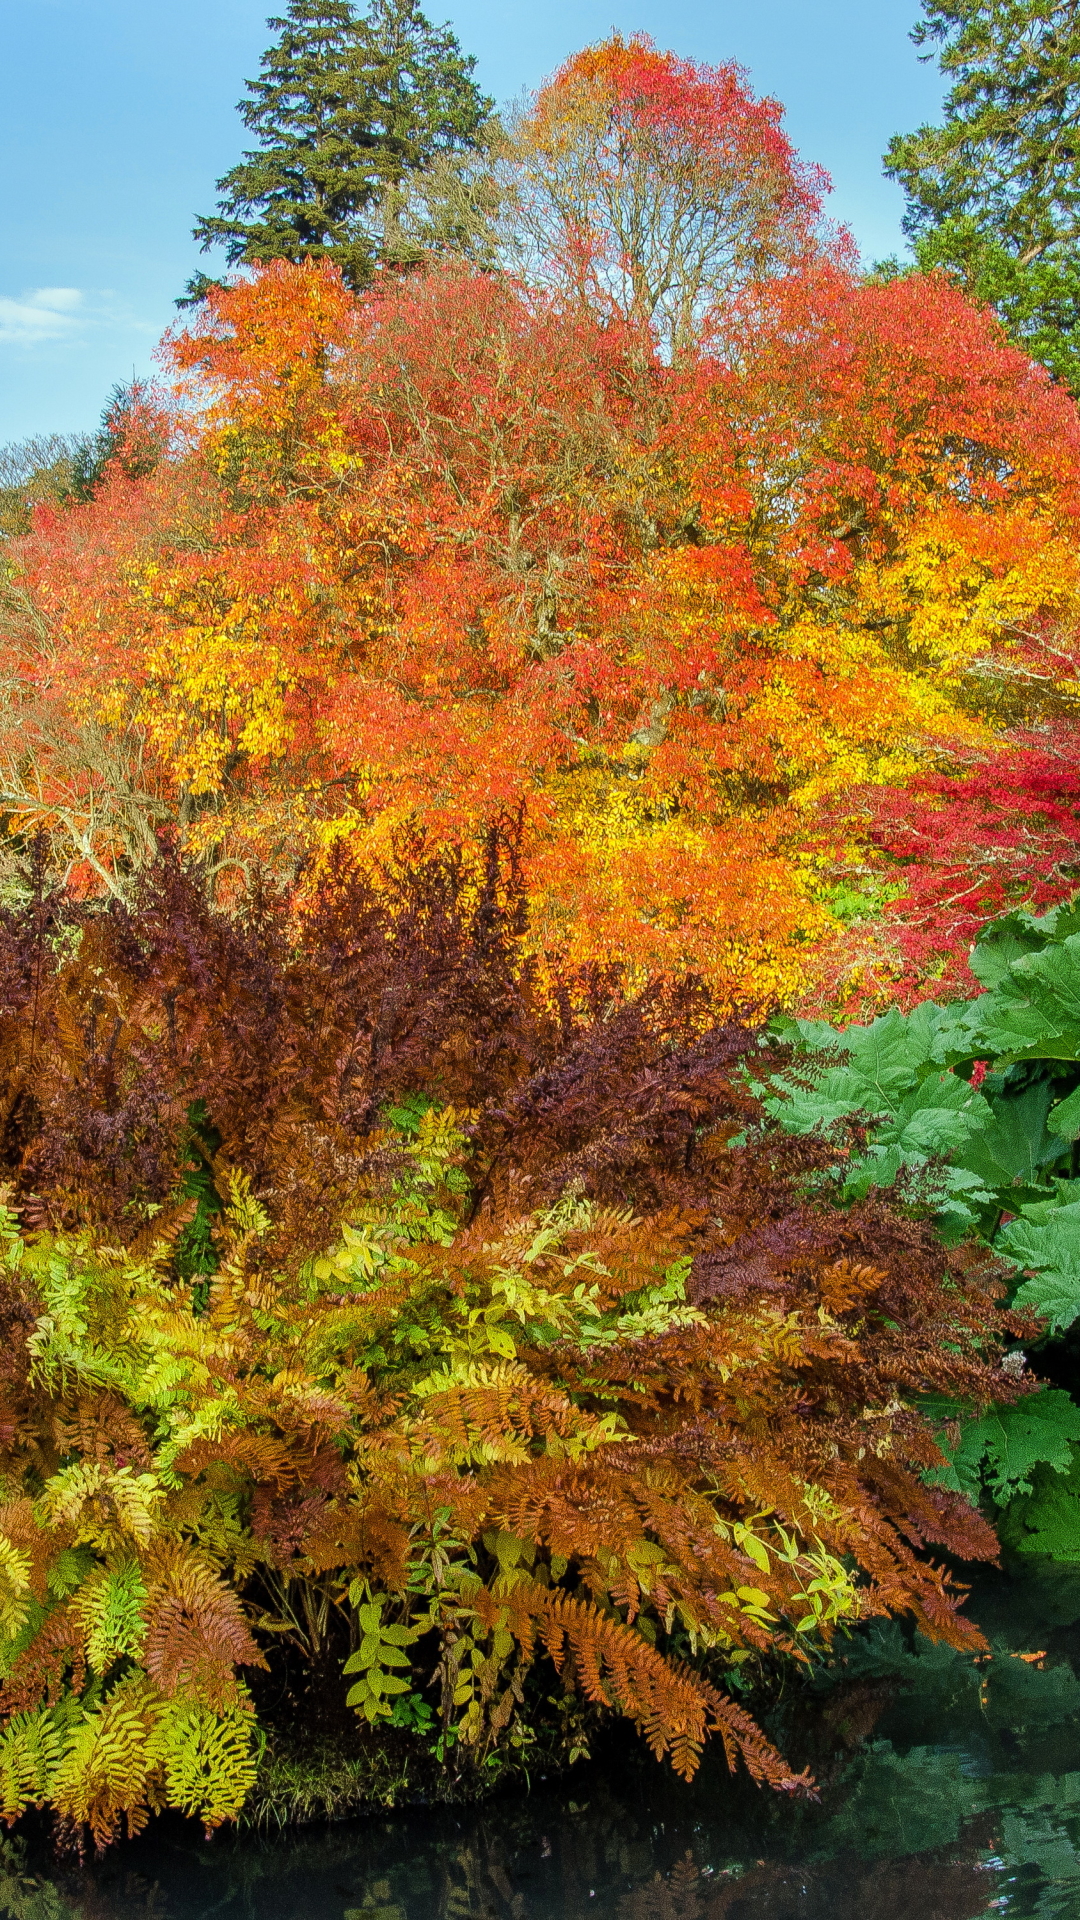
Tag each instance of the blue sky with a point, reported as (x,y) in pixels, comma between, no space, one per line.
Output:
(117,117)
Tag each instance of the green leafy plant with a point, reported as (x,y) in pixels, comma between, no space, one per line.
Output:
(970,1112)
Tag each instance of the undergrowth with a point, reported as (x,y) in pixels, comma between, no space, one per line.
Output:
(393,1338)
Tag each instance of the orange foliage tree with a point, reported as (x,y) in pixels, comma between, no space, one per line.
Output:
(470,544)
(649,187)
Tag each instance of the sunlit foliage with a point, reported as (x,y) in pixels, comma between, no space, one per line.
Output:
(450,549)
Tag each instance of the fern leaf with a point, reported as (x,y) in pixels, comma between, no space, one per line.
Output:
(211,1760)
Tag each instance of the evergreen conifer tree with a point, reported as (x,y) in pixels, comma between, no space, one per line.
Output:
(345,106)
(994,193)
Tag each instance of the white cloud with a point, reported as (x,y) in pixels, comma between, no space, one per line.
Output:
(42,313)
(56,299)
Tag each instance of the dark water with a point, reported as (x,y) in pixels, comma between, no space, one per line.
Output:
(962,1799)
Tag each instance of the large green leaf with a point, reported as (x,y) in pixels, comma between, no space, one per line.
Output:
(1019,933)
(898,1076)
(1049,1244)
(1011,1145)
(936,1121)
(967,1155)
(1064,1121)
(1046,1522)
(1002,1448)
(879,1074)
(1047,1201)
(1034,1011)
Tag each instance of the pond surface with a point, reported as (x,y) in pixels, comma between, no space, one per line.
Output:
(950,1789)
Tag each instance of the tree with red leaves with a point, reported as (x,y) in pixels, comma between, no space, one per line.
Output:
(965,845)
(465,546)
(650,187)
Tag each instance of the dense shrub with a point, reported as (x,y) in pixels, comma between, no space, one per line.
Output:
(369,1303)
(123,1026)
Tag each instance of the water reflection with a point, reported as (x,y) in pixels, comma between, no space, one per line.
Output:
(964,1800)
(483,1874)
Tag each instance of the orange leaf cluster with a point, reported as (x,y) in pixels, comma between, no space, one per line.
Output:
(467,544)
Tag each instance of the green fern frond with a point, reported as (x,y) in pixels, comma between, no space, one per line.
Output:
(110,1772)
(111,1606)
(210,1760)
(103,1507)
(31,1746)
(15,1567)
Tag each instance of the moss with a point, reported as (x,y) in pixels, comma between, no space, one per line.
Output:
(327,1776)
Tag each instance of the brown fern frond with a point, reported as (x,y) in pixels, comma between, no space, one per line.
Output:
(197,1633)
(53,1661)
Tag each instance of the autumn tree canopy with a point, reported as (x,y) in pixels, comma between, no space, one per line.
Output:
(469,545)
(651,187)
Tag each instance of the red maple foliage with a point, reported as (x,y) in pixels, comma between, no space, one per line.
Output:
(966,845)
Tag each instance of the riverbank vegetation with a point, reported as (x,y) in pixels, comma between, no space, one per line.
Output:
(433,1329)
(547,632)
